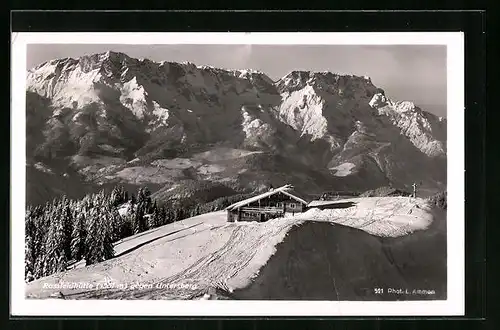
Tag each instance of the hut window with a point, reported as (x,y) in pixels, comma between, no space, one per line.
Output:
(279,204)
(292,205)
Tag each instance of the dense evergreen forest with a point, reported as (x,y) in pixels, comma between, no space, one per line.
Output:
(66,231)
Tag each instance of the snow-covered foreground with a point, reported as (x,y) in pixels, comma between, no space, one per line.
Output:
(183,260)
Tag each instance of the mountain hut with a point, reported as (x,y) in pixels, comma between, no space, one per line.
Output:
(274,203)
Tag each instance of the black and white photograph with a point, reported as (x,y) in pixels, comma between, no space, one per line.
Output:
(241,171)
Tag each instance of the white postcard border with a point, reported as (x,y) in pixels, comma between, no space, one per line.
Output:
(455,303)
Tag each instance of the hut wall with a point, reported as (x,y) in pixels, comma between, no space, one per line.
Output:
(294,207)
(250,216)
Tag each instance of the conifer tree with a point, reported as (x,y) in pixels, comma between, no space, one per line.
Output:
(169,215)
(180,212)
(55,254)
(117,196)
(154,207)
(129,218)
(29,258)
(115,222)
(40,238)
(78,237)
(92,253)
(159,219)
(148,201)
(67,224)
(175,213)
(127,228)
(139,221)
(151,221)
(98,243)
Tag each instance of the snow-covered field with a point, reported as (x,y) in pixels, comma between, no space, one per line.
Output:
(218,154)
(343,169)
(380,216)
(161,171)
(184,259)
(147,174)
(209,169)
(176,163)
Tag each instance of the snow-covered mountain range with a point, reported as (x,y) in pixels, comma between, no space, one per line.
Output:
(109,118)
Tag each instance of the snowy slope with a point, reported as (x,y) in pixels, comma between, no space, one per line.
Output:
(183,260)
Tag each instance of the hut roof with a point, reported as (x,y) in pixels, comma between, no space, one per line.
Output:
(286,189)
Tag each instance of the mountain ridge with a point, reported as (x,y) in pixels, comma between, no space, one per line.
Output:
(100,112)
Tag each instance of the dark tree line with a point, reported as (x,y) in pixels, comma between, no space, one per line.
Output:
(439,199)
(65,231)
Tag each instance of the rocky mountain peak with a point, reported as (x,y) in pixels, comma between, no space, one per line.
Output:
(349,86)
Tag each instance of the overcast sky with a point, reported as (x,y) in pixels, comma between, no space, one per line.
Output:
(413,73)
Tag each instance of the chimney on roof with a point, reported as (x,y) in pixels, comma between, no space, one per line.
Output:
(271,188)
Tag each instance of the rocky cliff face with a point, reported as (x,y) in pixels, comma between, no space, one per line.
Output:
(112,118)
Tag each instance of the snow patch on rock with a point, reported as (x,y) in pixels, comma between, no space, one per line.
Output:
(252,127)
(404,106)
(378,100)
(414,123)
(210,168)
(133,96)
(176,163)
(41,167)
(123,209)
(303,110)
(218,154)
(160,116)
(343,169)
